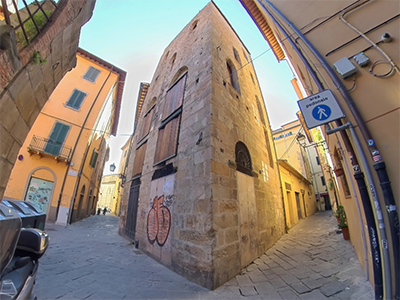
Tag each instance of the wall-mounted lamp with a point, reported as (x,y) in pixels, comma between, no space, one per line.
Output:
(112,168)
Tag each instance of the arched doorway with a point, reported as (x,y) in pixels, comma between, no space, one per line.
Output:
(40,187)
(248,220)
(89,202)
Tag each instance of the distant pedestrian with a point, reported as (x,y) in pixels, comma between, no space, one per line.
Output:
(98,211)
(104,210)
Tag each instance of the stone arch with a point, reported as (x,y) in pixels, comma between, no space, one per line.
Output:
(178,75)
(35,173)
(89,202)
(243,159)
(152,103)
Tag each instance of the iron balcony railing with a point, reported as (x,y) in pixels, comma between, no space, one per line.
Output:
(28,20)
(44,146)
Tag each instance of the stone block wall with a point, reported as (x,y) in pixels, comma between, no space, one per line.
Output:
(26,85)
(203,244)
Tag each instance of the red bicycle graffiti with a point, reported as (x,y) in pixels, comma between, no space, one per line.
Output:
(158,222)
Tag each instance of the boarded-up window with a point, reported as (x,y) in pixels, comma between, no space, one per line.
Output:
(146,123)
(167,142)
(268,144)
(233,76)
(174,97)
(139,159)
(260,111)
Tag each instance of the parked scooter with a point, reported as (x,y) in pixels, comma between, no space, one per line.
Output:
(20,250)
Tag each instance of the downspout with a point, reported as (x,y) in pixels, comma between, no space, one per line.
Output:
(76,143)
(73,198)
(358,174)
(359,214)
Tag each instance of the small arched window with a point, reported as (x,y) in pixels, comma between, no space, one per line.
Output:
(173,60)
(233,76)
(243,159)
(194,24)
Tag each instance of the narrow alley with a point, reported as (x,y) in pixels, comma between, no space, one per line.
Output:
(89,260)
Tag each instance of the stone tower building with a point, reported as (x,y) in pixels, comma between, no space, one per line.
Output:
(202,194)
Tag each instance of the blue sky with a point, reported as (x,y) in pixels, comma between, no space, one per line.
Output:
(132,34)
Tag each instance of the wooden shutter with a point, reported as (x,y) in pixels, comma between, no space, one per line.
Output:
(139,159)
(167,140)
(76,99)
(91,74)
(174,97)
(93,160)
(56,139)
(146,124)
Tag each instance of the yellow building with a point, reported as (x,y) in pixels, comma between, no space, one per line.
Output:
(353,49)
(61,161)
(295,173)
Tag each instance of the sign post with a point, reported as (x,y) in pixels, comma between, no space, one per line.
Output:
(320,109)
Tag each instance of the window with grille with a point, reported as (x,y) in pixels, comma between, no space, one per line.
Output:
(76,99)
(91,74)
(167,142)
(243,159)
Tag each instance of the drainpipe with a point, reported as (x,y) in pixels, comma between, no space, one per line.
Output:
(76,143)
(349,101)
(359,214)
(378,216)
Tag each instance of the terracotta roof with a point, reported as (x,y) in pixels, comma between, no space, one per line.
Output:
(144,87)
(262,24)
(120,86)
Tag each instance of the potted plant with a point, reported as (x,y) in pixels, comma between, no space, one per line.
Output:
(338,171)
(341,216)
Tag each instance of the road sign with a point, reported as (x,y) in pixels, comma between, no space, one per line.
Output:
(320,109)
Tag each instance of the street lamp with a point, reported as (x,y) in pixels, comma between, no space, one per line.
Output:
(112,168)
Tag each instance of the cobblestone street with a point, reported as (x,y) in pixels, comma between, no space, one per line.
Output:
(89,260)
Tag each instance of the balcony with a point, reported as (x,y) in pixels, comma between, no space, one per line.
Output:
(46,147)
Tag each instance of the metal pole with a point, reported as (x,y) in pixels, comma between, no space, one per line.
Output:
(359,213)
(387,276)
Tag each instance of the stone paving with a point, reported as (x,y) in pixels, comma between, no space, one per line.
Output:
(89,260)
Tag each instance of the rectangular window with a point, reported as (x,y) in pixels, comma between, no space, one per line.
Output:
(323,180)
(56,139)
(93,160)
(317,160)
(91,74)
(76,99)
(139,159)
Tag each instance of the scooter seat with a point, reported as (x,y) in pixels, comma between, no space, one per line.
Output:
(18,271)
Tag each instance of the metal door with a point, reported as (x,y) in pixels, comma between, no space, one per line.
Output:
(131,215)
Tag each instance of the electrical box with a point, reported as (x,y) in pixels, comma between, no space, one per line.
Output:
(361,59)
(345,68)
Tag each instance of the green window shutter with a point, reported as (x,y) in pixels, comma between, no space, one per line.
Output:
(56,139)
(76,99)
(93,160)
(91,74)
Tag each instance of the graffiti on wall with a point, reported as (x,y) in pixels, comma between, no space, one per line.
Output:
(159,220)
